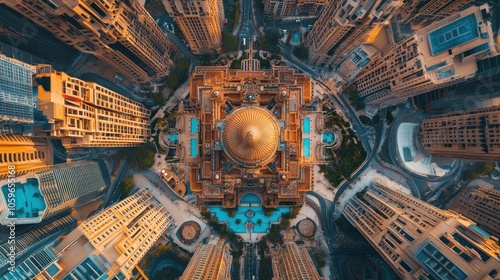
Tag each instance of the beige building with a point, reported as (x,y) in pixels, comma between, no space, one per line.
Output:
(480,205)
(277,9)
(201,22)
(84,114)
(441,54)
(430,9)
(473,134)
(420,241)
(121,33)
(51,192)
(23,154)
(210,261)
(112,242)
(309,7)
(343,25)
(291,261)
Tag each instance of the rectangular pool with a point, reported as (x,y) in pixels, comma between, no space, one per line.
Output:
(261,222)
(307,147)
(194,147)
(194,126)
(456,33)
(328,137)
(306,125)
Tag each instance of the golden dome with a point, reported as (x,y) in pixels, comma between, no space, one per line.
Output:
(251,135)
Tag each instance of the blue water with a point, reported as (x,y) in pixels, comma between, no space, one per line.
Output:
(194,147)
(174,138)
(307,147)
(480,231)
(29,201)
(252,202)
(328,137)
(295,37)
(194,126)
(306,125)
(453,34)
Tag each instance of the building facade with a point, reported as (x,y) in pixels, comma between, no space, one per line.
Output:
(343,25)
(111,243)
(480,205)
(291,261)
(244,133)
(419,10)
(16,92)
(469,134)
(420,241)
(121,33)
(277,9)
(50,192)
(309,7)
(201,22)
(441,54)
(24,154)
(84,114)
(210,261)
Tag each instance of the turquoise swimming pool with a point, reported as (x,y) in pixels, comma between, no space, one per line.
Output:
(194,147)
(194,126)
(328,137)
(29,201)
(174,138)
(249,202)
(306,125)
(295,37)
(307,147)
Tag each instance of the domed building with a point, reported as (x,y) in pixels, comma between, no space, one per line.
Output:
(246,135)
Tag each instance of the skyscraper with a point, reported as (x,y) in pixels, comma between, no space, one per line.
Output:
(210,261)
(469,134)
(23,154)
(121,33)
(344,25)
(429,9)
(200,22)
(291,261)
(277,9)
(111,243)
(441,54)
(16,91)
(421,241)
(47,193)
(85,114)
(480,205)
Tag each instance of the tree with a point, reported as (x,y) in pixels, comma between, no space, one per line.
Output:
(143,156)
(126,186)
(159,99)
(229,42)
(238,221)
(301,52)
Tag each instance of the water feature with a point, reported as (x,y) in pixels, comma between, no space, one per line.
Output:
(29,201)
(328,137)
(307,147)
(249,210)
(306,125)
(173,138)
(295,37)
(194,147)
(194,126)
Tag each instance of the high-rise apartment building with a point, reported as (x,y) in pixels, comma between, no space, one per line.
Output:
(23,154)
(344,25)
(291,261)
(469,134)
(420,241)
(16,91)
(480,205)
(110,244)
(210,261)
(309,7)
(121,33)
(441,54)
(31,257)
(277,9)
(84,114)
(201,22)
(430,9)
(47,193)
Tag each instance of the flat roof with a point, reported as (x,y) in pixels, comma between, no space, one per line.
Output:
(29,201)
(453,34)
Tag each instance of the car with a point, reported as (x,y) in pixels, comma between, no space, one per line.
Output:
(298,20)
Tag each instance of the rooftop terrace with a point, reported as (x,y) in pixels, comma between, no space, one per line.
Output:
(29,201)
(453,34)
